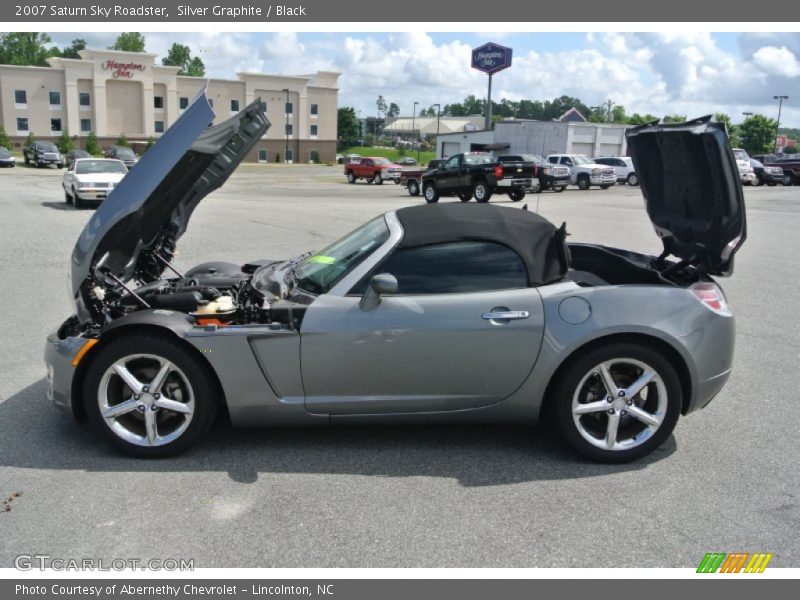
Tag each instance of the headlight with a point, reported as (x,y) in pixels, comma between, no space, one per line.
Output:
(597,171)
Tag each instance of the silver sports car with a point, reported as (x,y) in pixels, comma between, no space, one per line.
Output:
(450,312)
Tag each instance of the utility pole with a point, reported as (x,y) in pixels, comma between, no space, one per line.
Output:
(438,119)
(780,100)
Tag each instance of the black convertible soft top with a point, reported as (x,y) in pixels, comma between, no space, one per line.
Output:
(540,244)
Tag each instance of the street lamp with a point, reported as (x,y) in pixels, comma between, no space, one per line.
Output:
(413,123)
(438,117)
(747,114)
(780,100)
(286,128)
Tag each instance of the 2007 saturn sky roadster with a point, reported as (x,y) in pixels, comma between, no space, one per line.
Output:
(448,312)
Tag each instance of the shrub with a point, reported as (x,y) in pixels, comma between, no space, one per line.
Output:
(65,143)
(92,147)
(5,141)
(122,140)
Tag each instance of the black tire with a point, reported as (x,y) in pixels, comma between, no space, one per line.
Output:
(465,196)
(370,179)
(516,195)
(559,189)
(481,192)
(67,197)
(350,177)
(430,192)
(378,179)
(76,201)
(605,187)
(788,179)
(413,187)
(60,166)
(579,373)
(583,182)
(202,383)
(633,179)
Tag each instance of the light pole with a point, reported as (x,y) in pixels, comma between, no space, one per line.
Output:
(413,124)
(286,128)
(438,117)
(780,100)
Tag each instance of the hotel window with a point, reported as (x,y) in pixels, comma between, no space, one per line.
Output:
(22,124)
(159,126)
(55,125)
(234,106)
(314,110)
(158,102)
(313,131)
(289,108)
(55,99)
(20,99)
(289,129)
(262,156)
(183,102)
(86,125)
(84,100)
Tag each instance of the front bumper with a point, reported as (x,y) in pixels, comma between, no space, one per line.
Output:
(603,179)
(750,177)
(391,175)
(58,357)
(524,183)
(93,194)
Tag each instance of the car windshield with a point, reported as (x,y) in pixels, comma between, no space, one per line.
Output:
(581,159)
(740,154)
(319,272)
(46,147)
(125,153)
(86,167)
(4,153)
(382,161)
(477,159)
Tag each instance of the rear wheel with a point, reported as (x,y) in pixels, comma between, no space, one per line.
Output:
(633,179)
(430,192)
(618,402)
(149,396)
(465,196)
(350,177)
(413,187)
(583,182)
(481,192)
(788,179)
(516,195)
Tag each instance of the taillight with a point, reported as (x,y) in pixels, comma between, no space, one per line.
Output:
(711,296)
(498,171)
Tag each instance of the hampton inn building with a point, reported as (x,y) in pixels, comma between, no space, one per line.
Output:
(111,93)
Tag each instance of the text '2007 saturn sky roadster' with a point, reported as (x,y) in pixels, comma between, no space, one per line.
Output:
(449,312)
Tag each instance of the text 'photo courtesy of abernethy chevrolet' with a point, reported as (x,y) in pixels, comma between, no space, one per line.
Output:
(432,313)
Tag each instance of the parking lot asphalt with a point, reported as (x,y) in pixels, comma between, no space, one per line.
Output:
(447,496)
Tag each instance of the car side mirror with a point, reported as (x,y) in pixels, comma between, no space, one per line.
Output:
(382,283)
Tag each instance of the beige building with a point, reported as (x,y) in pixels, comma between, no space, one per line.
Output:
(111,93)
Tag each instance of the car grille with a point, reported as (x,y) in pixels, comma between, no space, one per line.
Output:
(607,171)
(100,184)
(560,171)
(50,156)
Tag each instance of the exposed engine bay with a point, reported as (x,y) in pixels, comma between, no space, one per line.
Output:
(214,294)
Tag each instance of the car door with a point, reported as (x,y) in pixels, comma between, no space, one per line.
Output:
(447,176)
(463,331)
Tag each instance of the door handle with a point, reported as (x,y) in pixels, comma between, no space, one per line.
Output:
(505,315)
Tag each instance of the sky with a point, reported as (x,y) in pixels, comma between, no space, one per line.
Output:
(690,73)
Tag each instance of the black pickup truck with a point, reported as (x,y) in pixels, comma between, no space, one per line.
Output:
(478,174)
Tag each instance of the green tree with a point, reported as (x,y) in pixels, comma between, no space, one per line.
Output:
(5,141)
(381,105)
(674,118)
(393,110)
(757,134)
(131,41)
(787,150)
(92,147)
(71,51)
(347,126)
(637,119)
(65,143)
(25,49)
(180,56)
(122,140)
(733,132)
(30,139)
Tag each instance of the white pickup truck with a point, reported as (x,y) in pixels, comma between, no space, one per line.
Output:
(583,172)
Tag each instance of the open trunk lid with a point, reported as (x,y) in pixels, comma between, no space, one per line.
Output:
(692,191)
(135,230)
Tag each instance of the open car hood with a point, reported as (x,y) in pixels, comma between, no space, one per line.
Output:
(142,219)
(692,191)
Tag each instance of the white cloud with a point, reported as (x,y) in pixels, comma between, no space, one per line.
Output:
(777,61)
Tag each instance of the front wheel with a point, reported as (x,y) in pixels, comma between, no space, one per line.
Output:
(350,177)
(516,195)
(618,402)
(413,187)
(788,179)
(583,183)
(149,396)
(67,197)
(378,178)
(430,192)
(481,192)
(633,179)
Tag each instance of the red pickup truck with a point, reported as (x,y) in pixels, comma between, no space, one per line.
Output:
(374,169)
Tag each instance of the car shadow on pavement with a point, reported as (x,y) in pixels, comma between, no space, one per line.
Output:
(58,205)
(36,435)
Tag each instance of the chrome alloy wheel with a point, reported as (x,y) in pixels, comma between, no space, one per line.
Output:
(146,400)
(619,404)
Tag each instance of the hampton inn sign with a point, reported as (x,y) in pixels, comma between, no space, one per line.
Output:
(120,70)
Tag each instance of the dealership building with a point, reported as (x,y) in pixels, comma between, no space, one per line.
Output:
(111,93)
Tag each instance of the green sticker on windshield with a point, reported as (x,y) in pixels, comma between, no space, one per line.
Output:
(324,260)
